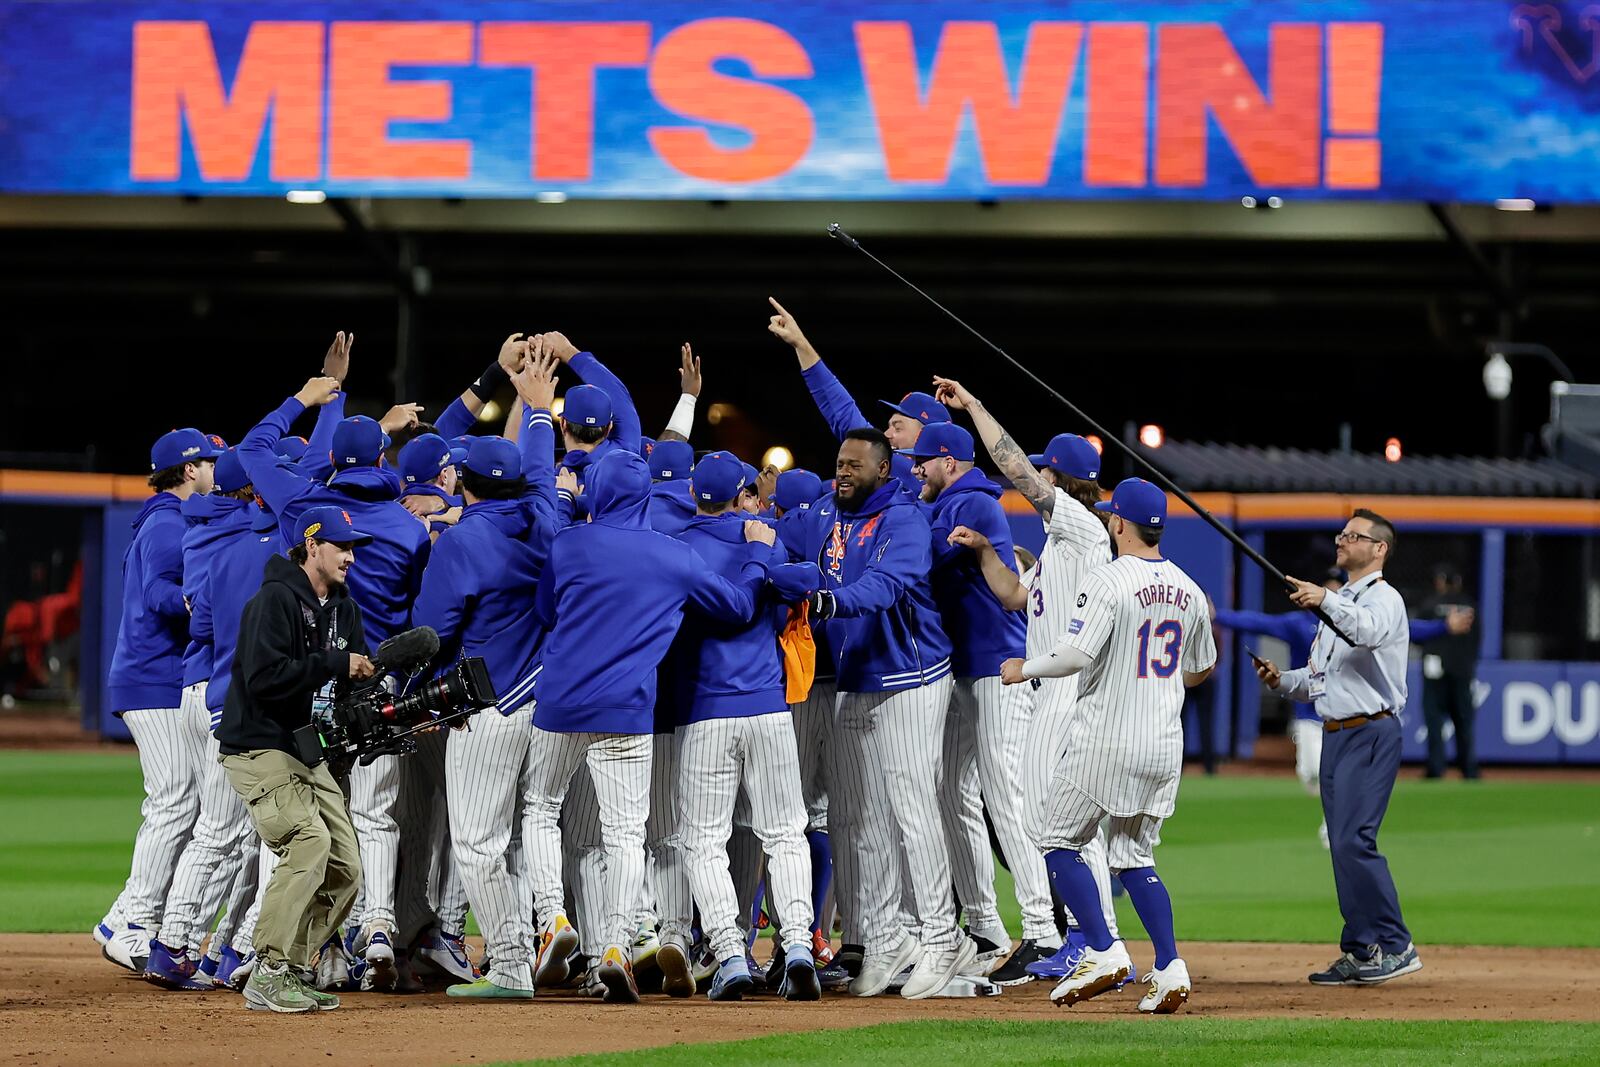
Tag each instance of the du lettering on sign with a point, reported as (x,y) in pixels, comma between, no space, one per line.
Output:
(1469,100)
(1528,712)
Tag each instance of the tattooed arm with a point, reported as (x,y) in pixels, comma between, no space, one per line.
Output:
(1008,455)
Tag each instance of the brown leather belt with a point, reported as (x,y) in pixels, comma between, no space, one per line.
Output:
(1335,725)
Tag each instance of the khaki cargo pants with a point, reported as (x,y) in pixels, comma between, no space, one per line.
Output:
(302,817)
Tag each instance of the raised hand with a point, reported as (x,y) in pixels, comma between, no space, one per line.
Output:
(336,361)
(783,326)
(689,373)
(400,415)
(567,478)
(557,343)
(758,532)
(967,537)
(513,350)
(318,391)
(536,382)
(952,394)
(1305,594)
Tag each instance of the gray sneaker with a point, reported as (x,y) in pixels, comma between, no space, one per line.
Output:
(275,988)
(1387,965)
(1345,970)
(324,1001)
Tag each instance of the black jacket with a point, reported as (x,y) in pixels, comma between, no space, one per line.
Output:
(289,647)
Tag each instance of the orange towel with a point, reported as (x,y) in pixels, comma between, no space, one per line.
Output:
(799,654)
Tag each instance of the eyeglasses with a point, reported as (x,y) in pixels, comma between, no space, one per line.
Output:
(1344,537)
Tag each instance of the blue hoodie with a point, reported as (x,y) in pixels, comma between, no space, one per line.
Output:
(982,632)
(886,633)
(478,589)
(725,669)
(232,578)
(800,534)
(612,598)
(625,428)
(147,664)
(387,573)
(213,521)
(671,507)
(842,415)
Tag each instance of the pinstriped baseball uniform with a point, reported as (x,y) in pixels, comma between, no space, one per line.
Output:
(584,862)
(666,884)
(812,719)
(169,758)
(1145,624)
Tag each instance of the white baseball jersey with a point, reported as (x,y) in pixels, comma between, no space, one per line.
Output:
(1076,542)
(1145,624)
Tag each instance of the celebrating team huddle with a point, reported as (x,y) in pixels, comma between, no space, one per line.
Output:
(718,698)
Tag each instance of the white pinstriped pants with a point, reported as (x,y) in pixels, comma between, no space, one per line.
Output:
(1045,747)
(487,770)
(813,721)
(897,737)
(717,756)
(667,879)
(962,798)
(619,765)
(215,855)
(169,758)
(584,860)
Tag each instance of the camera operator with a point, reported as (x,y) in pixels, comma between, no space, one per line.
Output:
(299,637)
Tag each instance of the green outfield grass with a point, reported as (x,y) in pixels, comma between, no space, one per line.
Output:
(1492,862)
(1183,1039)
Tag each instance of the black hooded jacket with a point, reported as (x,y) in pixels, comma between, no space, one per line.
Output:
(290,646)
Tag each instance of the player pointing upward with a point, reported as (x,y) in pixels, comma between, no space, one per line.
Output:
(1140,634)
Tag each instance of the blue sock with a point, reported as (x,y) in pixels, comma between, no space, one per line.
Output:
(821,872)
(1076,887)
(1150,900)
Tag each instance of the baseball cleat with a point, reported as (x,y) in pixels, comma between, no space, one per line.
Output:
(833,976)
(1012,971)
(1098,972)
(129,948)
(170,969)
(821,949)
(102,933)
(1169,989)
(1060,964)
(645,948)
(800,980)
(447,954)
(758,974)
(677,978)
(616,974)
(937,967)
(239,973)
(879,970)
(333,966)
(849,957)
(1386,965)
(772,974)
(484,989)
(557,941)
(993,947)
(732,980)
(381,972)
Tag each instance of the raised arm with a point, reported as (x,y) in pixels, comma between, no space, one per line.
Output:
(838,408)
(281,486)
(462,414)
(1002,580)
(1367,625)
(682,420)
(1007,454)
(536,442)
(625,428)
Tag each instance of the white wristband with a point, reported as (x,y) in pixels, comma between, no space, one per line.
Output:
(682,420)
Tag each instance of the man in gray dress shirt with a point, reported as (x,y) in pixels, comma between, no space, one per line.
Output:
(1359,691)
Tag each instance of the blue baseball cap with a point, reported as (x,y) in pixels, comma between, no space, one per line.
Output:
(1137,501)
(1071,455)
(328,523)
(671,461)
(587,405)
(290,448)
(750,476)
(647,446)
(188,445)
(718,477)
(423,457)
(920,406)
(941,439)
(230,475)
(797,489)
(458,448)
(495,458)
(358,442)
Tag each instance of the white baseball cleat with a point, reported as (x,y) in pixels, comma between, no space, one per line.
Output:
(1095,974)
(129,947)
(937,967)
(1169,989)
(880,969)
(993,949)
(381,973)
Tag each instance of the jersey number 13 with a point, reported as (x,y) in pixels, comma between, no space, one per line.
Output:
(1168,639)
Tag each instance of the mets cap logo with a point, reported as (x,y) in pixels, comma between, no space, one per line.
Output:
(215,440)
(346,515)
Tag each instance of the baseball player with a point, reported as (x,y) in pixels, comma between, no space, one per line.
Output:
(893,663)
(145,689)
(598,417)
(427,467)
(987,721)
(477,593)
(1141,635)
(608,628)
(738,733)
(1061,484)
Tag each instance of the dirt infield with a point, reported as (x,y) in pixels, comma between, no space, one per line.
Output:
(62,1004)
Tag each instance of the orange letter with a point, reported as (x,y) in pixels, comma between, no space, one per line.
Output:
(1278,143)
(175,76)
(1016,140)
(563,57)
(683,80)
(362,101)
(1117,130)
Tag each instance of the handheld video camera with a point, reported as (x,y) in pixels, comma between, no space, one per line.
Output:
(368,722)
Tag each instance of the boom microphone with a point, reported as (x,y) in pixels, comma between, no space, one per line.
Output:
(1156,475)
(407,652)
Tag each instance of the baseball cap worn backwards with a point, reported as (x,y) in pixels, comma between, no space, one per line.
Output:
(941,439)
(187,445)
(495,458)
(423,457)
(587,405)
(920,406)
(797,489)
(671,460)
(1138,502)
(1069,454)
(718,477)
(328,523)
(358,442)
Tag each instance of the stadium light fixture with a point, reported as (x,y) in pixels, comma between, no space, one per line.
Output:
(306,196)
(551,196)
(717,412)
(1391,450)
(778,456)
(1151,435)
(490,412)
(1515,203)
(558,406)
